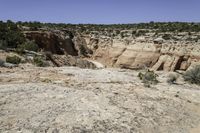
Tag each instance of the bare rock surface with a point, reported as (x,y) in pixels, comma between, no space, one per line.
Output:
(68,99)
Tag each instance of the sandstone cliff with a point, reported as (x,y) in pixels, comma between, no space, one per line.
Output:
(62,47)
(132,52)
(147,51)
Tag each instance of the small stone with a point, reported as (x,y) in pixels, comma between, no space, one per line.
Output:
(176,95)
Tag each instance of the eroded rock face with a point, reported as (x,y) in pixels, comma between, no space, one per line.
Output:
(63,60)
(157,54)
(81,46)
(49,41)
(59,42)
(62,48)
(129,52)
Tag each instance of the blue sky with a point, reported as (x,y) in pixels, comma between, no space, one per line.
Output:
(100,11)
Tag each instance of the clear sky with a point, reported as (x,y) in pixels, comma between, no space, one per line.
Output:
(100,11)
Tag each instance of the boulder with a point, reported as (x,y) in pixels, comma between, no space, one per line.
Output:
(2,63)
(9,65)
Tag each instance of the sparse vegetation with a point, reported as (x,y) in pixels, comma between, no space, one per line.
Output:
(10,35)
(28,45)
(13,59)
(39,61)
(3,44)
(193,76)
(148,78)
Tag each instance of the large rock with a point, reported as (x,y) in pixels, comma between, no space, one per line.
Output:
(63,60)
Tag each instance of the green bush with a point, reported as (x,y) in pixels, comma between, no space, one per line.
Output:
(3,44)
(166,36)
(11,34)
(148,78)
(28,45)
(13,59)
(38,61)
(193,76)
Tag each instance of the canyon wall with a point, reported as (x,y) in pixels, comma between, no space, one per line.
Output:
(130,52)
(147,51)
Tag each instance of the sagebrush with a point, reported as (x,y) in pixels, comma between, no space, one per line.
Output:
(148,78)
(13,59)
(39,61)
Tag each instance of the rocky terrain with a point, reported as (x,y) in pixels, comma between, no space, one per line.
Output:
(159,51)
(158,46)
(85,78)
(69,99)
(149,50)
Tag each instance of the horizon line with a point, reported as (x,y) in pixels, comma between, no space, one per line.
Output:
(45,22)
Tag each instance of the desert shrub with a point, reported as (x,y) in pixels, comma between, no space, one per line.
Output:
(140,33)
(122,35)
(3,44)
(10,34)
(13,59)
(166,36)
(28,45)
(39,61)
(193,75)
(148,78)
(172,78)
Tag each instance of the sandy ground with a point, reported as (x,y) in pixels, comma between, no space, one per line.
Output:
(74,100)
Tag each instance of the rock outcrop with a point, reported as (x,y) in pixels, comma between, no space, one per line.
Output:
(63,60)
(130,52)
(59,42)
(63,48)
(49,41)
(141,52)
